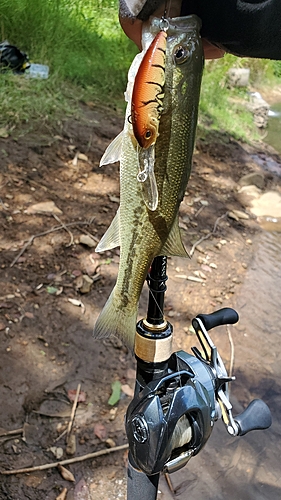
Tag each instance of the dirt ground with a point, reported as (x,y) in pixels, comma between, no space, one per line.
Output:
(53,285)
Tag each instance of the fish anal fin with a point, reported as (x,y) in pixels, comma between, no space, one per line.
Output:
(112,153)
(116,321)
(174,244)
(111,238)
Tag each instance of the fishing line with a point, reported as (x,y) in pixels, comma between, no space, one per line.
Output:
(155,300)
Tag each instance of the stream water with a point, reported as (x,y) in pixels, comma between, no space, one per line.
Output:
(248,468)
(274,127)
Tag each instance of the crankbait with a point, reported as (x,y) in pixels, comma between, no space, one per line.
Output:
(148,92)
(146,108)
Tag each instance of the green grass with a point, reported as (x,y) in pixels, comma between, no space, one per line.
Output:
(81,41)
(89,56)
(223,107)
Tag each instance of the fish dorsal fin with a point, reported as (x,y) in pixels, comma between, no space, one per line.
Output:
(112,153)
(111,237)
(174,244)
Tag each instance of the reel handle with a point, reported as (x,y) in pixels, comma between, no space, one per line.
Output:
(224,316)
(256,416)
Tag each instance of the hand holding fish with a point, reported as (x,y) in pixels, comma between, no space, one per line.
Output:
(133,30)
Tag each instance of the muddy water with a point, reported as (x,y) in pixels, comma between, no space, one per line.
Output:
(248,467)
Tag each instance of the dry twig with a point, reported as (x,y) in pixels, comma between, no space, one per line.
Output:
(169,483)
(12,433)
(75,402)
(207,235)
(67,230)
(52,230)
(74,460)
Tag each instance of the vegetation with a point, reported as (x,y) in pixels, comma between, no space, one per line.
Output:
(89,56)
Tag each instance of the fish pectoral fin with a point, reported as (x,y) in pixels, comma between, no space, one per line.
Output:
(174,244)
(112,153)
(111,237)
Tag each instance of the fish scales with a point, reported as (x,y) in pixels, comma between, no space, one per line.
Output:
(143,234)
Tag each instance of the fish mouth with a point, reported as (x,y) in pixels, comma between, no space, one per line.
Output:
(183,24)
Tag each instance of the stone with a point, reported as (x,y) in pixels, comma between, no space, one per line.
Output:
(268,204)
(238,77)
(247,194)
(260,108)
(252,179)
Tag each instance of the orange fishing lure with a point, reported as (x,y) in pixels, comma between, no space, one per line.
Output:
(148,92)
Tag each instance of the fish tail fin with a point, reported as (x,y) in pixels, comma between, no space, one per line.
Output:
(113,321)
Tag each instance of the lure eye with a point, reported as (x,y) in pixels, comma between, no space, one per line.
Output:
(147,134)
(181,54)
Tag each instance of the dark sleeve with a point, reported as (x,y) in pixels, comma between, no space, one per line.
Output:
(245,28)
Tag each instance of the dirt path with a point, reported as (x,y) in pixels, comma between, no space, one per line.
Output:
(53,285)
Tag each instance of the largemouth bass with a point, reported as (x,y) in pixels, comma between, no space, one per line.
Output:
(143,233)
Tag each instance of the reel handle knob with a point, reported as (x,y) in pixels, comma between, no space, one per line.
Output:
(224,316)
(256,416)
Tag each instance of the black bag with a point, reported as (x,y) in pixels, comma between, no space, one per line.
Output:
(12,58)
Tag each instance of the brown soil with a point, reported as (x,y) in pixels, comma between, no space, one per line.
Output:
(46,343)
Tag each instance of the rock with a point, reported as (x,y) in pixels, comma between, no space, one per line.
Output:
(86,284)
(268,204)
(238,77)
(87,240)
(231,215)
(259,107)
(247,194)
(252,179)
(238,214)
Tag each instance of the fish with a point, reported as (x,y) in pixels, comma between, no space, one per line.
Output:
(141,233)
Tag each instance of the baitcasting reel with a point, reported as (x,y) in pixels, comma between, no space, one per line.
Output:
(171,418)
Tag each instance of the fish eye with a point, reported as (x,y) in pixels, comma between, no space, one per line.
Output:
(181,54)
(147,134)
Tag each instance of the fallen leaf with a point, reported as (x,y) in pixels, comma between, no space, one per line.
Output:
(62,495)
(100,431)
(116,393)
(71,394)
(75,302)
(76,272)
(57,451)
(52,290)
(194,278)
(127,390)
(83,283)
(114,199)
(45,207)
(82,157)
(29,315)
(66,474)
(71,445)
(110,443)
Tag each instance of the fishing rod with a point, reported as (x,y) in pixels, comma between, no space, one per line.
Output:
(178,396)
